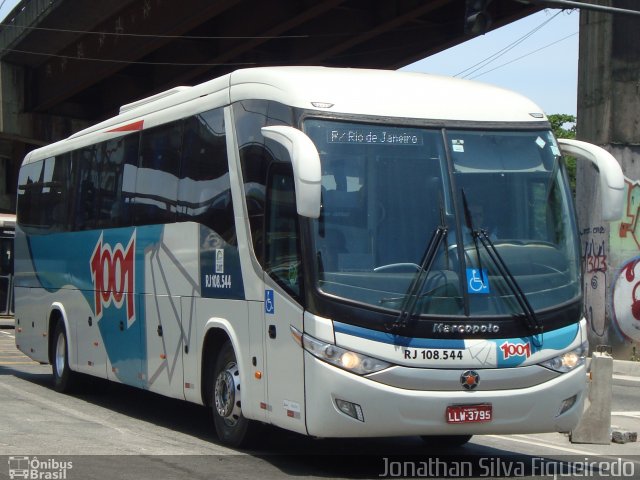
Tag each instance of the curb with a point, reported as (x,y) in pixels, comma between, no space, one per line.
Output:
(627,368)
(622,367)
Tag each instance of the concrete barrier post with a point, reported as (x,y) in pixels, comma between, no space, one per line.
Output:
(595,425)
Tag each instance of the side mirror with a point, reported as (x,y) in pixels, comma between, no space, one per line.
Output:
(307,174)
(611,176)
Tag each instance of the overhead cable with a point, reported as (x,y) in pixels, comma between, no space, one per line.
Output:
(483,63)
(115,60)
(527,54)
(149,35)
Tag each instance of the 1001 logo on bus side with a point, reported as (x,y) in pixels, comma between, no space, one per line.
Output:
(113,276)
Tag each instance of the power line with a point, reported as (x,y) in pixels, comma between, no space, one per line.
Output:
(526,54)
(103,33)
(115,60)
(193,37)
(149,35)
(581,5)
(503,51)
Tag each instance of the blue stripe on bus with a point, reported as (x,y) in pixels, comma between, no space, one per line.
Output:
(561,338)
(385,337)
(62,259)
(554,340)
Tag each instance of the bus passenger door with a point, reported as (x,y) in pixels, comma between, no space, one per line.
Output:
(282,308)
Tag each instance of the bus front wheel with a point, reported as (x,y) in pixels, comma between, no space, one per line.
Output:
(64,379)
(232,427)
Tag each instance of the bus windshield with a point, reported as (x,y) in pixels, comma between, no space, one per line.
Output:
(387,189)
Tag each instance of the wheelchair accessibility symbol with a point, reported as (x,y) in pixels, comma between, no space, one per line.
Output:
(269,306)
(477,281)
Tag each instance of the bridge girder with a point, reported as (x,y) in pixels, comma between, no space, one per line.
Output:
(84,74)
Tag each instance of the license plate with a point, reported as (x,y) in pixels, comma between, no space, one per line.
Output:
(469,413)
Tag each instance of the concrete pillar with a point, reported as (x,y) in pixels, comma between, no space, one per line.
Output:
(14,132)
(595,425)
(608,106)
(22,131)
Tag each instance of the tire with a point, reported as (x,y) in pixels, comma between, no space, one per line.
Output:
(446,441)
(232,427)
(64,379)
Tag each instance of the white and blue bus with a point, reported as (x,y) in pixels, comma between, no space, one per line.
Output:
(337,252)
(7,235)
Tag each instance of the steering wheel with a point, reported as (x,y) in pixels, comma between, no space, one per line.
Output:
(402,267)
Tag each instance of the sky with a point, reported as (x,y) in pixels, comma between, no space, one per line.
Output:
(6,6)
(536,56)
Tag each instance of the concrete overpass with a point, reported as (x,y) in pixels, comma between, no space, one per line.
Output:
(151,45)
(66,63)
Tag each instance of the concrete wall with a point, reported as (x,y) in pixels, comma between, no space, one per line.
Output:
(609,115)
(21,132)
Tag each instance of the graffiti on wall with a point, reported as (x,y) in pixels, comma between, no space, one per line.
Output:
(594,266)
(625,299)
(594,256)
(628,229)
(625,246)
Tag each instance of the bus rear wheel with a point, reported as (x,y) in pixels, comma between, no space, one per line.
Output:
(64,379)
(446,441)
(232,427)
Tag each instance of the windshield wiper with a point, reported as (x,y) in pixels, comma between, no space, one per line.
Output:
(413,292)
(531,320)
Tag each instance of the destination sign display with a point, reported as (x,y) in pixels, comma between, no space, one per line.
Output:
(372,136)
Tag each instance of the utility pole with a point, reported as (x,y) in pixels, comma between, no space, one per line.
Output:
(607,115)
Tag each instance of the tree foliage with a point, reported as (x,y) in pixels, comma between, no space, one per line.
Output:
(564,126)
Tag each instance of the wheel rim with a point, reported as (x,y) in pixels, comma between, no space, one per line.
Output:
(61,353)
(227,394)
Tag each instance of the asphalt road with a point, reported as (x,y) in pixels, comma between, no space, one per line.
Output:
(113,431)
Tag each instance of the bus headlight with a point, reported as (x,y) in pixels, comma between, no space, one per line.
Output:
(568,360)
(340,357)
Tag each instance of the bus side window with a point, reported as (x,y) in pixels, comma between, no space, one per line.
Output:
(112,210)
(157,180)
(30,194)
(86,183)
(250,116)
(62,191)
(204,191)
(42,195)
(282,249)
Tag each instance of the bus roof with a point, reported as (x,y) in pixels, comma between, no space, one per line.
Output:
(373,93)
(384,93)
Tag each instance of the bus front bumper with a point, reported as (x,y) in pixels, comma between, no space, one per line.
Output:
(389,411)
